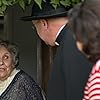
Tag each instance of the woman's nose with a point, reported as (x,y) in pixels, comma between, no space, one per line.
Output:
(1,62)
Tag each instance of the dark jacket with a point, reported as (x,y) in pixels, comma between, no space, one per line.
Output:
(70,70)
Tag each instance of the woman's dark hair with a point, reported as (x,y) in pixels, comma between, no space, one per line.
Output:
(85,22)
(12,49)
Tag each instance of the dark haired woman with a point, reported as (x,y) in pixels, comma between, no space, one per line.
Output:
(85,22)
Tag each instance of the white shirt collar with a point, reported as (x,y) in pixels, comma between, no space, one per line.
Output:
(59,33)
(4,84)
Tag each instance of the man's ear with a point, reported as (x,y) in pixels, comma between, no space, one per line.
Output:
(44,23)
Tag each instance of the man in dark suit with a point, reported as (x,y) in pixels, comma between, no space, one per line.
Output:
(70,68)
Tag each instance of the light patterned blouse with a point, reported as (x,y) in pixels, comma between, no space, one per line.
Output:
(4,84)
(21,87)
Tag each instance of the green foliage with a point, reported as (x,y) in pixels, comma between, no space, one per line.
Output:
(4,4)
(65,2)
(55,3)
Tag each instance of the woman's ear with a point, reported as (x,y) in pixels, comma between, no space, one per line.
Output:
(79,46)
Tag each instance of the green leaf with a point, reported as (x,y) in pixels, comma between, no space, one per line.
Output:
(3,8)
(55,6)
(29,1)
(0,2)
(22,3)
(9,2)
(15,1)
(56,2)
(39,3)
(1,12)
(69,2)
(4,2)
(65,3)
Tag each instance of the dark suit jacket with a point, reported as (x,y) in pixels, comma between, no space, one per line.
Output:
(70,70)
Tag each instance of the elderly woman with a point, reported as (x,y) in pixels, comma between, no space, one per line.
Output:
(85,22)
(15,84)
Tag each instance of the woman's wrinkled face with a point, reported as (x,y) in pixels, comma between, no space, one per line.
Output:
(6,63)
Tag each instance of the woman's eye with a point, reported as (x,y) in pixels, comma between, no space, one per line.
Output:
(6,57)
